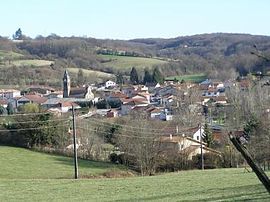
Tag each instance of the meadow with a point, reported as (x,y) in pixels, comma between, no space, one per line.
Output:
(91,73)
(33,176)
(127,62)
(33,62)
(9,55)
(197,78)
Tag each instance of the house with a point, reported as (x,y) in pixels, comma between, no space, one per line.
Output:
(180,144)
(9,93)
(116,96)
(143,89)
(166,115)
(83,92)
(110,84)
(131,103)
(30,98)
(55,94)
(154,112)
(129,91)
(41,90)
(205,84)
(59,105)
(65,106)
(142,96)
(167,99)
(211,92)
(170,89)
(3,103)
(112,113)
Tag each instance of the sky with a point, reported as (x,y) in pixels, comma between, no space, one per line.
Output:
(129,19)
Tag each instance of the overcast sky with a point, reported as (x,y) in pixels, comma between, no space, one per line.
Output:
(128,19)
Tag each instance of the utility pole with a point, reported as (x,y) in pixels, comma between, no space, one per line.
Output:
(258,171)
(202,161)
(75,145)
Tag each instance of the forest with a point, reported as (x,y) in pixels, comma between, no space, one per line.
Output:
(219,55)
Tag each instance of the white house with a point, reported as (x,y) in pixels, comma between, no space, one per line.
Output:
(197,135)
(9,93)
(184,144)
(3,103)
(109,84)
(166,115)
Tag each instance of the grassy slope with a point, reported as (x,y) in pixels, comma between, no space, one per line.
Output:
(125,62)
(189,78)
(18,163)
(208,185)
(9,54)
(211,185)
(16,60)
(88,72)
(36,63)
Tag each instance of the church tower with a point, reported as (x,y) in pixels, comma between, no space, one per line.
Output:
(66,85)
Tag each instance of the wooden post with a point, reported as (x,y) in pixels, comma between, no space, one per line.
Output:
(75,145)
(202,160)
(259,172)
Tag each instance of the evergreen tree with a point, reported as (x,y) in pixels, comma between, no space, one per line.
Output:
(134,79)
(251,127)
(18,34)
(2,110)
(80,77)
(207,136)
(147,77)
(157,76)
(119,78)
(10,109)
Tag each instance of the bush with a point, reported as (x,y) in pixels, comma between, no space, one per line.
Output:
(211,161)
(113,157)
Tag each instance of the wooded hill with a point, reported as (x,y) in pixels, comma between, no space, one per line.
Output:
(217,55)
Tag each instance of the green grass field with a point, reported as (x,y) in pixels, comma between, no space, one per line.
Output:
(197,78)
(9,54)
(126,62)
(91,73)
(18,163)
(32,176)
(36,63)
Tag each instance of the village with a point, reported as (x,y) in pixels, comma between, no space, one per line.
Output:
(160,102)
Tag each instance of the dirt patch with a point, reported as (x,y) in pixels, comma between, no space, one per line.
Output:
(118,174)
(110,174)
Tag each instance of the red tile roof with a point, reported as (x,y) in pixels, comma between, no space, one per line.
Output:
(36,98)
(3,102)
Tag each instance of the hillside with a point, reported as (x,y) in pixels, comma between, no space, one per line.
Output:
(218,55)
(32,176)
(124,63)
(19,163)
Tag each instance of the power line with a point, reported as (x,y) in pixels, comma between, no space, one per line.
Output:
(105,132)
(98,120)
(28,114)
(132,128)
(25,129)
(125,128)
(45,121)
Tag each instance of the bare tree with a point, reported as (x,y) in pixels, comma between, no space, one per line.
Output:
(140,142)
(188,112)
(250,111)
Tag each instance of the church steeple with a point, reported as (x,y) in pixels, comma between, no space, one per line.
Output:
(66,85)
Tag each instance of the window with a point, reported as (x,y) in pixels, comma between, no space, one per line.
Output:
(198,137)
